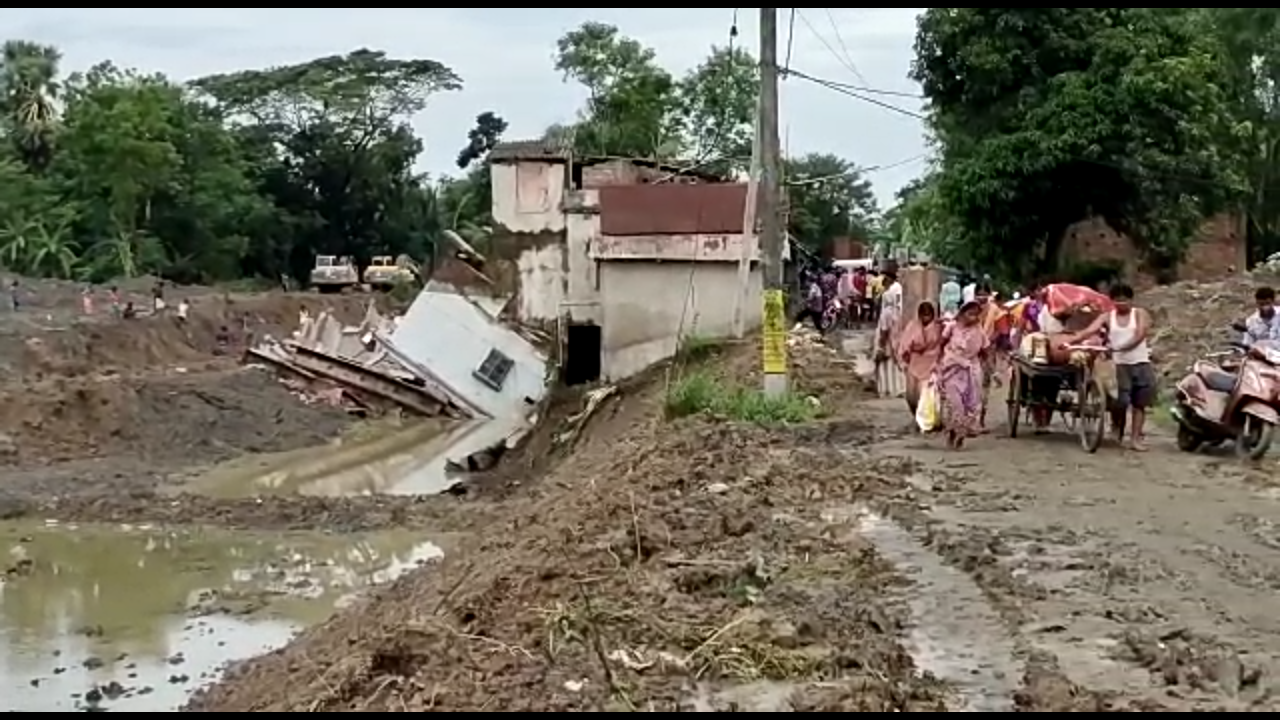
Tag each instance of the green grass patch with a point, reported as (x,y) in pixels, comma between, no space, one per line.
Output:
(696,348)
(701,393)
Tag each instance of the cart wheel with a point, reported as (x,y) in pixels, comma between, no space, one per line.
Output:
(1014,402)
(1091,414)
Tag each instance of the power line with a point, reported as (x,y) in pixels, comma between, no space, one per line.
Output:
(859,171)
(840,88)
(830,48)
(862,88)
(840,39)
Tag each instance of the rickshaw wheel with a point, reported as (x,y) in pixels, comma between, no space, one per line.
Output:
(1014,402)
(1091,414)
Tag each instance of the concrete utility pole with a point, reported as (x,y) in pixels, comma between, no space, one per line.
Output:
(772,234)
(750,241)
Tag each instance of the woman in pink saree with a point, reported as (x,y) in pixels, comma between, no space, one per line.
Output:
(918,349)
(964,346)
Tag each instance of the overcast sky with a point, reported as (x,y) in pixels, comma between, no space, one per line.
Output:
(504,56)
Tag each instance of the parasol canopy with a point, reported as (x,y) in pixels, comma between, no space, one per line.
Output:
(1065,299)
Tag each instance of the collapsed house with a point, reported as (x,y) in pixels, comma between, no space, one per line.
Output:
(451,353)
(618,260)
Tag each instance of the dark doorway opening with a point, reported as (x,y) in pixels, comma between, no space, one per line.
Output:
(583,343)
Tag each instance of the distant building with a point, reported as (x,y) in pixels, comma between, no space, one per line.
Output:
(1219,249)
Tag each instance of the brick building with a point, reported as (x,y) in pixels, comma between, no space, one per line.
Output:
(1220,249)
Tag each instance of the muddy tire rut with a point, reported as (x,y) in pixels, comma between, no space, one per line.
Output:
(1126,583)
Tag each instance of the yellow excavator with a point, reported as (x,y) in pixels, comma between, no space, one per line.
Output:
(385,272)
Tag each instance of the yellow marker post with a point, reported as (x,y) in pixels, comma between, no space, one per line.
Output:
(774,337)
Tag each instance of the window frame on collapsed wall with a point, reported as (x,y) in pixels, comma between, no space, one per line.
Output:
(494,370)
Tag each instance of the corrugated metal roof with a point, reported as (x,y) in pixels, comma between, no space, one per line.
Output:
(541,149)
(672,209)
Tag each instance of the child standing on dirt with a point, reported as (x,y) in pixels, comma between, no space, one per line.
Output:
(14,299)
(157,294)
(114,297)
(86,300)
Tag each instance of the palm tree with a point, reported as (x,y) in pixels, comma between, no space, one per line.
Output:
(28,94)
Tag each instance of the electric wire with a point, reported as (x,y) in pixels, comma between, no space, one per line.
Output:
(830,48)
(848,56)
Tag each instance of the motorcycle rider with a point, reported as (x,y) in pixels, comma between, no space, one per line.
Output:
(1264,323)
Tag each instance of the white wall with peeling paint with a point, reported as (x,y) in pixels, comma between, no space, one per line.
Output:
(528,196)
(451,336)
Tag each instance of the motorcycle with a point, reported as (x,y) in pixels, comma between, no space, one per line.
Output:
(1213,404)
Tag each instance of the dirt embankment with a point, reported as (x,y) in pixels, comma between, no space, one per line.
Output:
(1192,319)
(99,405)
(661,566)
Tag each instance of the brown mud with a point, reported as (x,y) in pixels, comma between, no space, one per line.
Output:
(101,407)
(655,572)
(704,565)
(657,566)
(1135,582)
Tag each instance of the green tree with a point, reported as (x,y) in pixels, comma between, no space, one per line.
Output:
(465,205)
(335,152)
(28,91)
(717,101)
(161,185)
(631,99)
(481,139)
(1251,41)
(827,198)
(635,108)
(1047,116)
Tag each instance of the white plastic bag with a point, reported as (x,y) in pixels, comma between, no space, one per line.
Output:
(928,409)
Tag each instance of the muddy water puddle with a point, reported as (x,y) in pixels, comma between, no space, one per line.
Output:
(134,618)
(410,461)
(955,634)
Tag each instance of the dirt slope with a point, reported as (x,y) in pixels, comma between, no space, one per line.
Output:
(78,345)
(1194,318)
(670,566)
(101,405)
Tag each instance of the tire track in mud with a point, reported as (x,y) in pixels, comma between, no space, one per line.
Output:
(1128,583)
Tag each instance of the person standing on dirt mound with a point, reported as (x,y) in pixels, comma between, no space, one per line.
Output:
(157,297)
(15,295)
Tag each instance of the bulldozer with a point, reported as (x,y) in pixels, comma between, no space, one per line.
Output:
(334,274)
(384,272)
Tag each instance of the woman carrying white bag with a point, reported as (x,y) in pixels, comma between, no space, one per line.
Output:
(918,350)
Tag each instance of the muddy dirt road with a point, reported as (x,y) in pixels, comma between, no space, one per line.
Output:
(1147,579)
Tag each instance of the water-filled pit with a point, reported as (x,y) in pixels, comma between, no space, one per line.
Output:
(135,618)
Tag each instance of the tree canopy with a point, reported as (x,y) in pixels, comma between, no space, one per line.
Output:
(112,172)
(1044,117)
